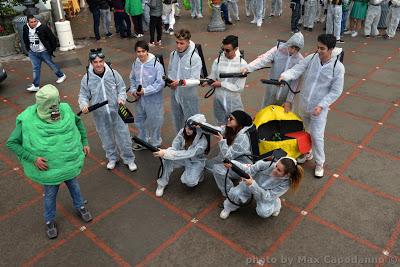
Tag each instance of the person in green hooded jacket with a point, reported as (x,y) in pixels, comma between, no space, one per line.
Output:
(51,143)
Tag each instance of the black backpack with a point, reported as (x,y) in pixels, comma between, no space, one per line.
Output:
(197,49)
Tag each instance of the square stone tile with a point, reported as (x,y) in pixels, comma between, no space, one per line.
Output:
(357,69)
(347,127)
(395,118)
(204,251)
(102,189)
(375,171)
(15,191)
(80,251)
(378,90)
(138,228)
(193,200)
(308,188)
(23,236)
(386,76)
(386,139)
(246,228)
(336,153)
(359,212)
(349,81)
(313,244)
(362,107)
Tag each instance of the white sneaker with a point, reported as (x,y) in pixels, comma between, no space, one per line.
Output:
(319,171)
(276,213)
(200,16)
(160,191)
(152,44)
(254,21)
(348,32)
(224,214)
(33,88)
(132,166)
(171,31)
(111,165)
(305,157)
(61,79)
(259,23)
(354,34)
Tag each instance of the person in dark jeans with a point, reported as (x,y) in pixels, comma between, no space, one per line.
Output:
(122,20)
(135,10)
(296,14)
(51,144)
(40,43)
(95,10)
(156,7)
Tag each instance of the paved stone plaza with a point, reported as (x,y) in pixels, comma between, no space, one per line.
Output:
(351,217)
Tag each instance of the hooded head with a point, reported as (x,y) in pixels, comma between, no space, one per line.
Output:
(297,40)
(48,103)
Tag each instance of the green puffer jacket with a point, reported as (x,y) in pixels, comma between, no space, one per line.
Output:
(133,7)
(59,142)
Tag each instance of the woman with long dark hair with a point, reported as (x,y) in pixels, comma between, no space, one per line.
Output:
(188,150)
(269,183)
(234,143)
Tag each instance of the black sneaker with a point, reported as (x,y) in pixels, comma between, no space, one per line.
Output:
(367,36)
(84,214)
(340,41)
(51,230)
(109,34)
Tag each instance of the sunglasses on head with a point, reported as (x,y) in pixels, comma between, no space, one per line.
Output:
(98,52)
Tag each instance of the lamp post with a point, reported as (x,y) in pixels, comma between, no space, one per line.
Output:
(216,23)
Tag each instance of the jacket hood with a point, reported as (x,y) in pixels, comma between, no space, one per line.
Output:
(150,58)
(297,39)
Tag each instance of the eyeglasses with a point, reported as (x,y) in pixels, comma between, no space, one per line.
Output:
(98,52)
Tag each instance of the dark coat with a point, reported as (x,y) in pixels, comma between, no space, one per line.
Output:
(45,35)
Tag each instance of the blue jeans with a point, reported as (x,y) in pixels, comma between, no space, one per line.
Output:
(36,59)
(50,197)
(344,20)
(96,23)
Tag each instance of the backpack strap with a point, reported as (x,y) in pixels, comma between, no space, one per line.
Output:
(208,139)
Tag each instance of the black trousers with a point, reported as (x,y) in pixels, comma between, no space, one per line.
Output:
(137,23)
(296,14)
(123,23)
(155,25)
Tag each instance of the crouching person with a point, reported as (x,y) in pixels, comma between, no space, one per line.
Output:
(188,150)
(51,143)
(268,184)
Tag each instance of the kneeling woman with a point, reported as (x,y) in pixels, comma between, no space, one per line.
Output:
(234,143)
(188,150)
(268,184)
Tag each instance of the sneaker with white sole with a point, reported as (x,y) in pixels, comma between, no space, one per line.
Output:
(354,34)
(259,23)
(33,88)
(304,158)
(319,171)
(132,166)
(160,191)
(348,32)
(61,79)
(277,211)
(224,214)
(254,21)
(171,31)
(111,164)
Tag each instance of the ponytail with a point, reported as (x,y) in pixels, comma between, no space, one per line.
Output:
(294,171)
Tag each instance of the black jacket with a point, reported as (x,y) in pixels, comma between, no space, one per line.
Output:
(45,35)
(98,4)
